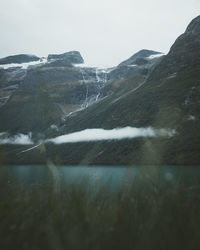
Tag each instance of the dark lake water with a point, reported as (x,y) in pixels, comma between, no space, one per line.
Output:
(113,176)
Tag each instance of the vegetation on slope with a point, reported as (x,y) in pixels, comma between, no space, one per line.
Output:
(148,214)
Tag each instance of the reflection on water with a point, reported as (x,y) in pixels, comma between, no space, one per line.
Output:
(113,176)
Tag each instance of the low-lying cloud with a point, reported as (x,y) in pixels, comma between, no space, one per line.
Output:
(88,135)
(19,139)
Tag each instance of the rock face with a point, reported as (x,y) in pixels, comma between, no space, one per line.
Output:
(22,58)
(141,63)
(184,54)
(72,57)
(66,59)
(142,57)
(10,79)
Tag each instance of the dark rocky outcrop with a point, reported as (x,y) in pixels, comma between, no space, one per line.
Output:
(65,59)
(141,63)
(142,54)
(184,54)
(22,58)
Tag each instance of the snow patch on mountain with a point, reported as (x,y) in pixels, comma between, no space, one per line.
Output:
(24,65)
(155,56)
(191,118)
(132,65)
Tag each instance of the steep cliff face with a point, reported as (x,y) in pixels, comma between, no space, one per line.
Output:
(184,54)
(23,58)
(10,80)
(142,63)
(72,57)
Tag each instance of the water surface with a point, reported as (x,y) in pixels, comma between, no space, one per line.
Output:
(112,176)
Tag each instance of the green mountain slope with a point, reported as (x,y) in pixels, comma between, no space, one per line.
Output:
(169,98)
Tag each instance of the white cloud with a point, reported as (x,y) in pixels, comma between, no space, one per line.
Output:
(88,135)
(19,139)
(113,134)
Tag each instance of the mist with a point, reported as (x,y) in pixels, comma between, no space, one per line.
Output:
(19,139)
(88,135)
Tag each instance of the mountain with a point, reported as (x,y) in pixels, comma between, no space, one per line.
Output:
(72,57)
(141,57)
(141,63)
(147,90)
(168,98)
(35,96)
(23,58)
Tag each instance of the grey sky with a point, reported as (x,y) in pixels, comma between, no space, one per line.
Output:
(104,31)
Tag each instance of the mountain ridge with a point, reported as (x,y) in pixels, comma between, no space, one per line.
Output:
(69,88)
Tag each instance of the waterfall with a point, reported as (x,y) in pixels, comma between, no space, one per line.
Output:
(97,76)
(83,81)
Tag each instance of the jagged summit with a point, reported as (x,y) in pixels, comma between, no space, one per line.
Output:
(53,60)
(21,58)
(184,53)
(189,40)
(141,57)
(73,57)
(145,53)
(141,63)
(194,26)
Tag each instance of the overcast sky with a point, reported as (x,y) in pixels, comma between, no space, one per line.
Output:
(105,31)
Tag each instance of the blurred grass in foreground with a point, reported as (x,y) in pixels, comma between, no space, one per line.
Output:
(148,214)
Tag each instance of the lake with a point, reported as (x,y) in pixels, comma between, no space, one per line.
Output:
(160,211)
(112,176)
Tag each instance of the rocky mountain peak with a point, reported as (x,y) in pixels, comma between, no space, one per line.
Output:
(145,53)
(21,58)
(141,57)
(141,63)
(184,53)
(190,40)
(71,57)
(194,26)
